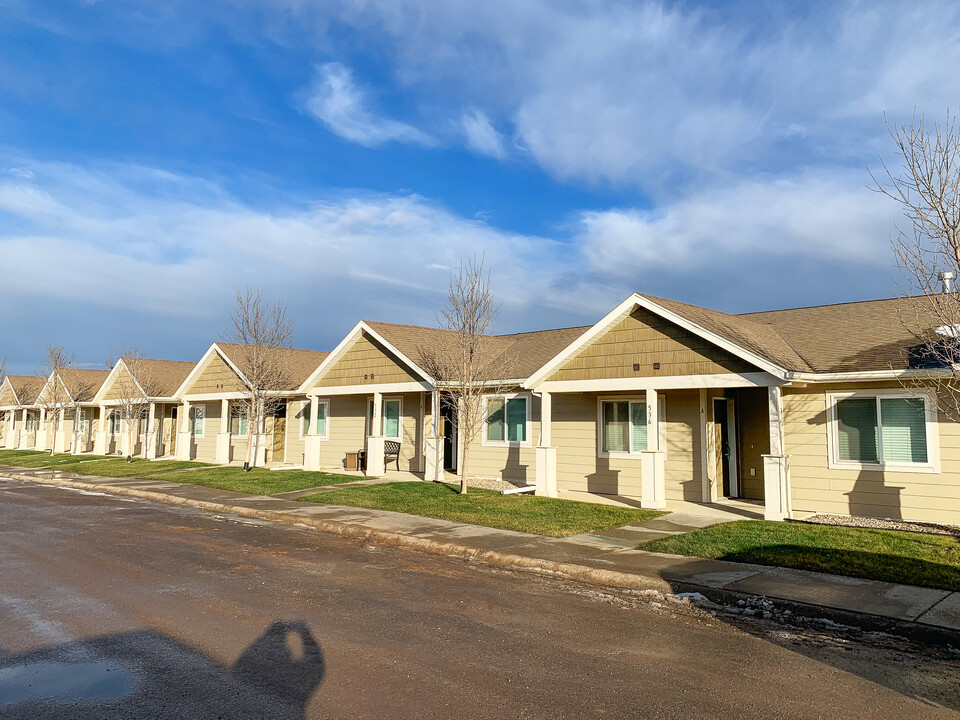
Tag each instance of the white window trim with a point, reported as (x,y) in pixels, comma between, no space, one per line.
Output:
(528,423)
(933,437)
(385,399)
(661,424)
(312,425)
(231,416)
(192,420)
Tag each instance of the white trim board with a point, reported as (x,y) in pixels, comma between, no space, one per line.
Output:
(382,388)
(622,311)
(674,382)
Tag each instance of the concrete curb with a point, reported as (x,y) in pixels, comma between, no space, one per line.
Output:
(800,611)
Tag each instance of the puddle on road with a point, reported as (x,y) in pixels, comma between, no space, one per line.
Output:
(65,682)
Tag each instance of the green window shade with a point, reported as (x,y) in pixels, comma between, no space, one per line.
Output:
(638,433)
(857,430)
(616,426)
(496,424)
(391,418)
(321,418)
(904,430)
(306,419)
(517,419)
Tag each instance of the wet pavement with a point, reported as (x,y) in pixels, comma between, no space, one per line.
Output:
(124,608)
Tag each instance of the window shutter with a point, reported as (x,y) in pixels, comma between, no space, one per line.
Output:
(495,420)
(638,433)
(517,419)
(904,430)
(857,430)
(616,426)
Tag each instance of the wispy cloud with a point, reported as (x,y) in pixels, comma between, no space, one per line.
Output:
(481,136)
(340,103)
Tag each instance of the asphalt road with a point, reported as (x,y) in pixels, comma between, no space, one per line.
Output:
(119,608)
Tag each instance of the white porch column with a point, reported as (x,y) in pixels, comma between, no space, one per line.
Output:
(13,435)
(311,442)
(151,438)
(546,477)
(433,443)
(653,487)
(223,436)
(23,426)
(184,440)
(40,437)
(64,434)
(776,465)
(100,438)
(375,467)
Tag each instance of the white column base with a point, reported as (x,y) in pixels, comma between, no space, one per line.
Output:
(61,442)
(375,466)
(222,456)
(100,443)
(184,446)
(311,452)
(546,471)
(433,460)
(776,487)
(13,440)
(152,441)
(653,485)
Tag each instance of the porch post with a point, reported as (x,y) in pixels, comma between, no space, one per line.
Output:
(546,477)
(223,436)
(375,467)
(311,444)
(100,438)
(151,437)
(776,465)
(184,441)
(42,426)
(653,487)
(433,446)
(13,442)
(23,427)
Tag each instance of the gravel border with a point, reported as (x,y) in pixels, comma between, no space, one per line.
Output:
(883,524)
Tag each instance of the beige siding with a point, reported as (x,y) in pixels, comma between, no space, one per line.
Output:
(579,466)
(644,339)
(6,396)
(512,463)
(216,377)
(120,385)
(205,447)
(294,439)
(932,497)
(366,363)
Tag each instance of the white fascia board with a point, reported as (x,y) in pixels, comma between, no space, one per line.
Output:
(624,309)
(6,381)
(344,345)
(382,388)
(675,382)
(47,383)
(98,397)
(188,380)
(870,375)
(230,363)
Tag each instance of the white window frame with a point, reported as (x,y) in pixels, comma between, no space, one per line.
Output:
(661,424)
(312,425)
(113,421)
(192,420)
(528,423)
(384,401)
(246,407)
(931,426)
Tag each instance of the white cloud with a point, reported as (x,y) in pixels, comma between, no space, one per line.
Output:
(481,136)
(335,99)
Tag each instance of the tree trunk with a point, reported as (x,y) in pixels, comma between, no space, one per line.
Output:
(465,465)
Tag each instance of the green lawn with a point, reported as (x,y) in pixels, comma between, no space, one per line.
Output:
(117,467)
(258,481)
(900,557)
(33,459)
(526,513)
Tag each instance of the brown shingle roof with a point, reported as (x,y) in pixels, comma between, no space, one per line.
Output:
(300,363)
(83,384)
(165,376)
(528,351)
(27,387)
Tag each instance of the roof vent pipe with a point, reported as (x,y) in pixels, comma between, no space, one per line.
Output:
(947,279)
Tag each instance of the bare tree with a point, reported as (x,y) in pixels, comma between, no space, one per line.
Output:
(927,187)
(467,362)
(82,389)
(136,387)
(54,398)
(264,333)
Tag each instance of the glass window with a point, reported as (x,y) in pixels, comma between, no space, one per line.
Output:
(321,418)
(305,418)
(391,419)
(507,419)
(893,429)
(638,426)
(624,426)
(238,418)
(197,413)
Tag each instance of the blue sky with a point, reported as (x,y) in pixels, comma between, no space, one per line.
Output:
(343,156)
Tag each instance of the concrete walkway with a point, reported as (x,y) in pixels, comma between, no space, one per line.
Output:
(604,558)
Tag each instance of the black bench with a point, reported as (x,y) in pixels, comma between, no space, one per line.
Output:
(391,452)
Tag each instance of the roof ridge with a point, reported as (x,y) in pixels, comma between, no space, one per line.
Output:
(827,305)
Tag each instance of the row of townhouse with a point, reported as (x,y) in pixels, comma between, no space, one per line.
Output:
(804,410)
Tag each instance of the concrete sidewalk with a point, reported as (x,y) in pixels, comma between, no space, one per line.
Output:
(605,558)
